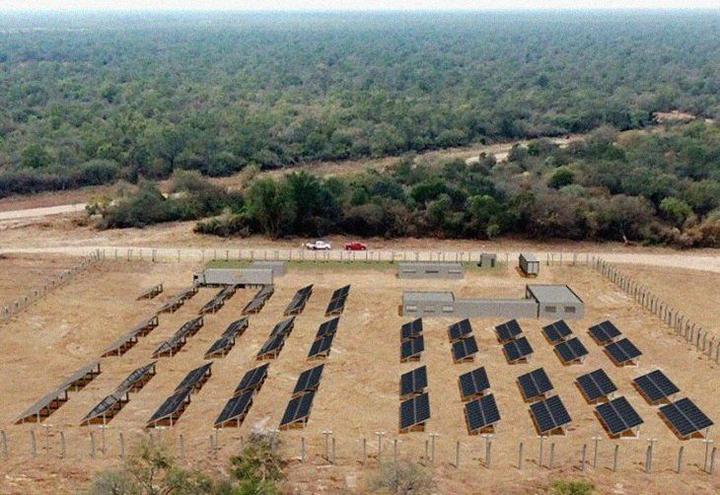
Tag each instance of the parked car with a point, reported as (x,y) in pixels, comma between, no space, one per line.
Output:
(355,246)
(318,245)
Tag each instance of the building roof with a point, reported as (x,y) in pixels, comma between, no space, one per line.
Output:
(553,293)
(529,257)
(410,297)
(418,264)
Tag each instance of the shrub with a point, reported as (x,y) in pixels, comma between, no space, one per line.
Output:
(258,464)
(571,487)
(402,478)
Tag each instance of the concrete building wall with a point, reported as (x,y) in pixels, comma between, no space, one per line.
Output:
(496,308)
(488,260)
(561,311)
(529,264)
(234,276)
(430,270)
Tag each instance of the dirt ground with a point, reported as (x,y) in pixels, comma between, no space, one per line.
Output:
(19,274)
(358,395)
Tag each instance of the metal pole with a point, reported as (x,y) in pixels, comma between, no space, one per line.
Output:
(302,450)
(3,437)
(327,434)
(707,443)
(457,454)
(47,439)
(395,451)
(520,456)
(488,449)
(596,440)
(33,443)
(122,445)
(379,434)
(432,447)
(540,454)
(551,463)
(712,461)
(92,444)
(364,450)
(182,446)
(615,457)
(680,459)
(584,454)
(62,444)
(333,449)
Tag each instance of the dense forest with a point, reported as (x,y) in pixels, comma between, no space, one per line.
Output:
(651,187)
(96,98)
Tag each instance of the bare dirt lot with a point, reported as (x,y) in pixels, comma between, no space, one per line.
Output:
(20,274)
(358,395)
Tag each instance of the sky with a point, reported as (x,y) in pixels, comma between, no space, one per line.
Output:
(273,5)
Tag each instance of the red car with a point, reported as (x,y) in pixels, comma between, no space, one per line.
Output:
(355,246)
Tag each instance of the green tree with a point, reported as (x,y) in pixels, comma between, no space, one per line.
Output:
(35,156)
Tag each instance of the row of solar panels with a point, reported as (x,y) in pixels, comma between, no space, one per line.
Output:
(173,407)
(178,300)
(412,342)
(337,301)
(463,343)
(258,301)
(217,302)
(178,340)
(299,300)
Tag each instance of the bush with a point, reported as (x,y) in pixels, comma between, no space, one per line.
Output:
(402,478)
(258,464)
(571,487)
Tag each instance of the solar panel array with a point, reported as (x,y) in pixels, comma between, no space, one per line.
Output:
(414,413)
(618,416)
(411,329)
(258,301)
(473,384)
(604,332)
(557,332)
(413,382)
(275,342)
(299,300)
(685,418)
(152,292)
(596,385)
(571,351)
(337,301)
(297,412)
(52,401)
(217,302)
(508,331)
(655,386)
(226,342)
(320,347)
(623,351)
(171,346)
(482,414)
(109,406)
(411,349)
(517,350)
(127,341)
(550,415)
(459,330)
(234,412)
(535,384)
(464,349)
(173,407)
(178,300)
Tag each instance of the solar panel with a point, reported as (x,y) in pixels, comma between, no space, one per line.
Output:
(685,417)
(253,379)
(411,349)
(259,300)
(411,329)
(414,413)
(283,328)
(618,416)
(122,344)
(464,349)
(226,342)
(535,384)
(459,330)
(623,351)
(571,350)
(297,304)
(179,338)
(327,328)
(106,409)
(413,382)
(337,301)
(557,332)
(321,347)
(604,332)
(297,411)
(549,415)
(196,378)
(473,383)
(170,410)
(655,386)
(235,410)
(272,347)
(508,330)
(309,380)
(517,350)
(596,385)
(481,414)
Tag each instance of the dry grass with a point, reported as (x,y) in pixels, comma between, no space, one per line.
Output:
(358,395)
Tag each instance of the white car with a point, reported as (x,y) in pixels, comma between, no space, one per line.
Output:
(318,246)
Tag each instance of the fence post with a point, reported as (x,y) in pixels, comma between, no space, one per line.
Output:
(364,450)
(62,444)
(302,450)
(712,460)
(680,459)
(615,457)
(520,456)
(432,447)
(92,444)
(457,454)
(3,438)
(551,462)
(582,459)
(596,440)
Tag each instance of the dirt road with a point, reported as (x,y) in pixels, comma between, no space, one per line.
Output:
(41,212)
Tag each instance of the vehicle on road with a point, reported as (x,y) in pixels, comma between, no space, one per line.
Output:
(355,246)
(318,245)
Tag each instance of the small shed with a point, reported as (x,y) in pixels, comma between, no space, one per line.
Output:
(487,260)
(556,301)
(422,303)
(529,264)
(438,270)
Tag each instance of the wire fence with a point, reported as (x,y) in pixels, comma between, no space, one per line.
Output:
(704,341)
(596,454)
(9,310)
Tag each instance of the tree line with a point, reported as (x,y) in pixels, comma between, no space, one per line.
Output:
(93,99)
